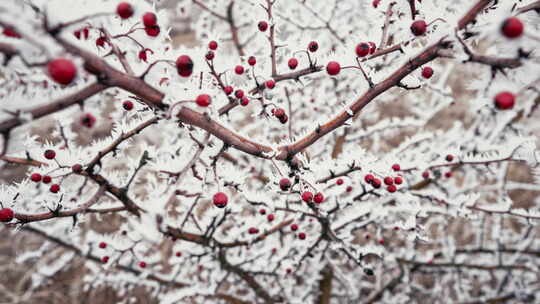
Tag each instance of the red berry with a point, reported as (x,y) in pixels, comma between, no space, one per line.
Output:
(279,112)
(244,102)
(270,84)
(49,154)
(362,49)
(86,33)
(239,93)
(294,227)
(143,56)
(376,183)
(203,100)
(252,60)
(284,184)
(88,120)
(178,254)
(149,19)
(284,119)
(35,177)
(388,180)
(270,217)
(124,10)
(212,45)
(253,230)
(228,90)
(448,174)
(391,188)
(427,72)
(102,245)
(333,68)
(376,3)
(184,66)
(47,179)
(6,215)
(54,188)
(62,70)
(381,241)
(262,211)
(152,31)
(367,236)
(398,180)
(239,70)
(307,196)
(512,27)
(318,198)
(505,100)
(293,63)
(418,27)
(209,55)
(263,26)
(220,199)
(142,264)
(77,34)
(339,181)
(372,47)
(425,174)
(76,168)
(369,178)
(449,157)
(127,105)
(396,167)
(100,42)
(302,236)
(349,189)
(9,32)
(313,46)
(105,259)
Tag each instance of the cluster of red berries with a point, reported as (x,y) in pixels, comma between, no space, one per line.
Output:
(390,182)
(150,24)
(365,48)
(84,32)
(239,94)
(308,197)
(280,114)
(212,46)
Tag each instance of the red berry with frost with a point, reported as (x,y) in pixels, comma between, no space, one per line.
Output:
(220,199)
(284,119)
(62,70)
(339,181)
(381,241)
(178,254)
(292,63)
(252,60)
(105,259)
(184,66)
(512,27)
(149,19)
(398,180)
(427,72)
(284,184)
(270,84)
(102,245)
(213,45)
(333,68)
(49,154)
(448,174)
(449,157)
(318,198)
(253,230)
(505,100)
(372,47)
(376,183)
(100,42)
(302,236)
(279,112)
(349,189)
(142,264)
(9,32)
(88,120)
(425,174)
(270,217)
(307,196)
(391,188)
(152,31)
(376,3)
(396,167)
(263,26)
(203,100)
(244,102)
(228,90)
(239,70)
(35,177)
(294,227)
(388,180)
(209,55)
(54,188)
(239,93)
(419,27)
(143,56)
(76,168)
(362,49)
(313,46)
(262,211)
(47,179)
(6,215)
(127,105)
(369,178)
(124,10)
